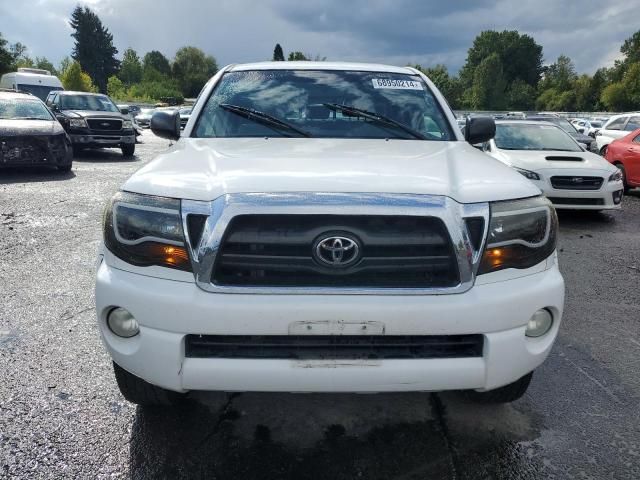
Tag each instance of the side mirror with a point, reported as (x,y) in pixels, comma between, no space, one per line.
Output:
(479,130)
(124,111)
(166,124)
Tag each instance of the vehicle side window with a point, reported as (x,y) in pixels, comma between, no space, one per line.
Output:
(616,124)
(633,124)
(637,139)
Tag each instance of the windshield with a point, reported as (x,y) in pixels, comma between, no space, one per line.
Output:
(40,91)
(20,109)
(327,104)
(95,103)
(596,124)
(533,137)
(147,111)
(186,110)
(565,125)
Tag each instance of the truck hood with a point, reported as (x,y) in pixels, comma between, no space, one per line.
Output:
(15,128)
(204,169)
(91,114)
(537,160)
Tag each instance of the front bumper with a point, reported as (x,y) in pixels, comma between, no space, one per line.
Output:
(607,197)
(167,310)
(102,140)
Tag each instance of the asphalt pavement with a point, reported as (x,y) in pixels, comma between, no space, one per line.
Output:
(61,415)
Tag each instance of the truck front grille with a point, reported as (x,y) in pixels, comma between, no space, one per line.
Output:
(334,347)
(281,250)
(105,124)
(576,183)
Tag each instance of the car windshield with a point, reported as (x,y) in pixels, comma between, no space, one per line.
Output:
(565,125)
(96,103)
(533,137)
(596,124)
(21,109)
(147,111)
(326,104)
(185,110)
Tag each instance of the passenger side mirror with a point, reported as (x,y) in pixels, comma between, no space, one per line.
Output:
(166,124)
(124,111)
(479,130)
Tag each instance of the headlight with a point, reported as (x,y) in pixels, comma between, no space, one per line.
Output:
(522,233)
(127,125)
(77,123)
(616,176)
(527,173)
(145,230)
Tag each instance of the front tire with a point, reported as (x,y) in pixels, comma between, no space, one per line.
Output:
(140,392)
(128,150)
(508,393)
(624,177)
(65,168)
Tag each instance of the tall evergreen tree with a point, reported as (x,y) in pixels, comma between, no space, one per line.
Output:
(93,47)
(278,54)
(157,61)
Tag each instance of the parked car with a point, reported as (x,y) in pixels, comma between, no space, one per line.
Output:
(144,117)
(545,154)
(185,115)
(92,120)
(31,80)
(132,110)
(592,127)
(584,140)
(624,153)
(341,238)
(30,136)
(618,126)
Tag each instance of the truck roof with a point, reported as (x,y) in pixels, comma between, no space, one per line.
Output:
(307,65)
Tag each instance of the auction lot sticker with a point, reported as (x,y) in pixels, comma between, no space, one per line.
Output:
(396,84)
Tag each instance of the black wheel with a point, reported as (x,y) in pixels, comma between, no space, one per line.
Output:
(137,391)
(506,394)
(624,177)
(65,168)
(603,151)
(128,150)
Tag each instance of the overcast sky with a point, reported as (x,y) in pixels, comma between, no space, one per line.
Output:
(396,32)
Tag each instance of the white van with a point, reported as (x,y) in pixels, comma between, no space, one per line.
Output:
(31,80)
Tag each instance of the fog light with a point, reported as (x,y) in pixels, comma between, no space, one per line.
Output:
(122,323)
(539,323)
(617,196)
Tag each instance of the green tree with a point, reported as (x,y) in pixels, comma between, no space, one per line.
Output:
(519,55)
(278,54)
(64,64)
(73,78)
(115,88)
(93,47)
(631,49)
(489,84)
(6,58)
(130,67)
(192,68)
(45,64)
(297,56)
(521,96)
(559,75)
(614,97)
(156,61)
(448,85)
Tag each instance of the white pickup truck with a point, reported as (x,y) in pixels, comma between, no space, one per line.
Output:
(326,227)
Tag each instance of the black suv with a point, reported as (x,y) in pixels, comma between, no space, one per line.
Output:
(92,120)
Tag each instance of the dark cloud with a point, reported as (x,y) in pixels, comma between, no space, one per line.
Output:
(397,32)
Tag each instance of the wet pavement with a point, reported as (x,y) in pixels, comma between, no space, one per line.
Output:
(61,415)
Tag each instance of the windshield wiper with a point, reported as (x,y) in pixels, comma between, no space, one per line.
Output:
(263,118)
(376,117)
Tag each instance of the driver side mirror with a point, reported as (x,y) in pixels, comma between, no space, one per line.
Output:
(479,130)
(166,124)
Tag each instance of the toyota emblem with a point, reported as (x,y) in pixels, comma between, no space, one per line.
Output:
(337,250)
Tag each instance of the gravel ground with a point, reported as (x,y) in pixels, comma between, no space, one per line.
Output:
(61,415)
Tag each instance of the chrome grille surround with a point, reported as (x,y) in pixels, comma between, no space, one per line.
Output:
(224,208)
